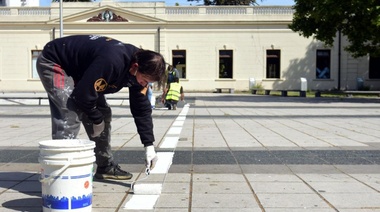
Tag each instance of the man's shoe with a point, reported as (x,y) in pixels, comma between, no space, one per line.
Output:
(113,171)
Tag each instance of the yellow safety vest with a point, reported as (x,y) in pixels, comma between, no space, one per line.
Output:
(174,91)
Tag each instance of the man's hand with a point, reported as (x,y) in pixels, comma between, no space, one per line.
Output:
(97,129)
(150,157)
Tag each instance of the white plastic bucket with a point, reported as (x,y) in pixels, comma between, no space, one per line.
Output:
(66,174)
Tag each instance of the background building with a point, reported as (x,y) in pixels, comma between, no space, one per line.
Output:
(20,3)
(211,46)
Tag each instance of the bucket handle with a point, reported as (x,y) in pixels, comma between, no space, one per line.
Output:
(56,173)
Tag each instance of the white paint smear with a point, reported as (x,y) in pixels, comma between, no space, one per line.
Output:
(169,142)
(165,159)
(141,202)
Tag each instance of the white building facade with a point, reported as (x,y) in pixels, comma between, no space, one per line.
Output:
(212,47)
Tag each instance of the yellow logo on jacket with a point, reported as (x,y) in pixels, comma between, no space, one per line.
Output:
(100,85)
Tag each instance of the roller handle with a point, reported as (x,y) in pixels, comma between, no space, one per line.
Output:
(55,173)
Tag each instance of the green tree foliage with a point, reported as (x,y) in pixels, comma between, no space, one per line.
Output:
(226,2)
(358,20)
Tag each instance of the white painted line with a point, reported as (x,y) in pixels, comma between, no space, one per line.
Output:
(178,123)
(185,110)
(165,159)
(141,202)
(174,131)
(147,188)
(181,118)
(169,142)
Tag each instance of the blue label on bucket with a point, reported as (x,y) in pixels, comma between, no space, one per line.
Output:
(49,201)
(70,177)
(81,202)
(81,176)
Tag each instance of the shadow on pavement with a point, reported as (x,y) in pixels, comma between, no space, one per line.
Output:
(14,183)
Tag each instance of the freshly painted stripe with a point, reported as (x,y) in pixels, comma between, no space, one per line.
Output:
(141,202)
(180,118)
(174,131)
(147,188)
(170,142)
(165,160)
(178,124)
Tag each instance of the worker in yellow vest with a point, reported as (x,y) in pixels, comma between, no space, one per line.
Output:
(173,93)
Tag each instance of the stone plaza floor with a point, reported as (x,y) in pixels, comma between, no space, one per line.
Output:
(218,152)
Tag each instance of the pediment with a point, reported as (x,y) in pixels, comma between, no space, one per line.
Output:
(107,14)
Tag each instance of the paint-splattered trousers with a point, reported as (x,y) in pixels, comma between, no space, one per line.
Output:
(66,117)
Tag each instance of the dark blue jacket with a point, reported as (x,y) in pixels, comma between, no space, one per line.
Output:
(100,65)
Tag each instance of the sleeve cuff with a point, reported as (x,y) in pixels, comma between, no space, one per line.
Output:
(148,144)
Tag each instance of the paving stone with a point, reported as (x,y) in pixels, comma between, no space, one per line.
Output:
(341,187)
(221,187)
(224,201)
(358,200)
(281,187)
(284,200)
(228,144)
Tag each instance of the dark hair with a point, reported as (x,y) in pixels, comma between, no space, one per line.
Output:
(151,64)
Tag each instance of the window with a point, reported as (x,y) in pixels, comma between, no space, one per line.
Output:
(323,64)
(35,54)
(273,63)
(179,62)
(225,63)
(374,67)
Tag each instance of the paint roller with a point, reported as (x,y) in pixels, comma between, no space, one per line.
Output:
(146,188)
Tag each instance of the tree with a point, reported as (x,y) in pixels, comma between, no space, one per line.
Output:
(358,20)
(227,2)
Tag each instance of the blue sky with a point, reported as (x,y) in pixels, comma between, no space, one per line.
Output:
(185,2)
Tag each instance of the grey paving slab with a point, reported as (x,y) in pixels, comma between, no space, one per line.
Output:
(167,201)
(176,188)
(216,201)
(354,200)
(292,200)
(281,187)
(301,209)
(341,187)
(235,152)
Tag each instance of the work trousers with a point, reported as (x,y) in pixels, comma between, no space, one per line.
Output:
(66,117)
